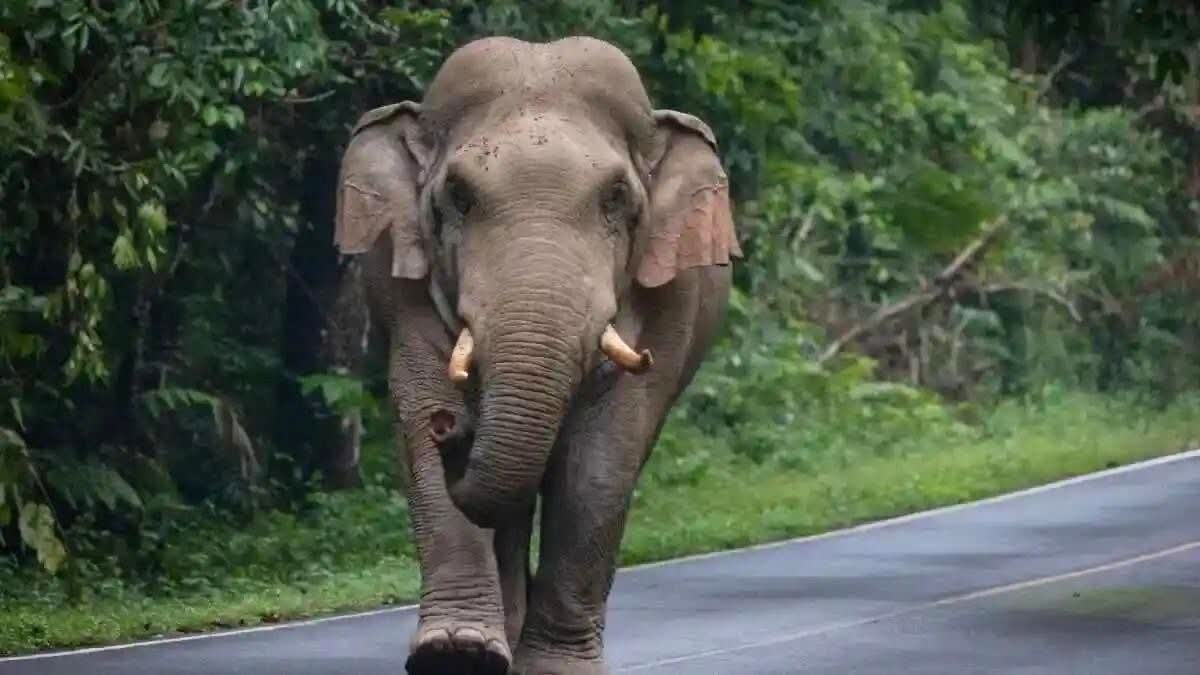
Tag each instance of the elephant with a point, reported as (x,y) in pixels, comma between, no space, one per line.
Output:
(549,259)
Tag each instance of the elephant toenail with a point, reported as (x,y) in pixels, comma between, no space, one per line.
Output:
(500,648)
(438,639)
(469,637)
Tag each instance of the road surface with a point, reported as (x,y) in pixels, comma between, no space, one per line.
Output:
(1099,575)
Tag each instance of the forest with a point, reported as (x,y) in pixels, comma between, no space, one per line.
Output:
(972,262)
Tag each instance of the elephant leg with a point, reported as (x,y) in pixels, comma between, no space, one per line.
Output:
(589,483)
(585,502)
(461,625)
(512,558)
(461,617)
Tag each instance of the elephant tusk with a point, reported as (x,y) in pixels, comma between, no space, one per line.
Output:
(622,354)
(460,358)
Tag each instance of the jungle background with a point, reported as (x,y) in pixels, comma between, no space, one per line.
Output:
(972,263)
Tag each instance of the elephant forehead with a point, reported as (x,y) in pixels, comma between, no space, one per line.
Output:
(528,141)
(522,127)
(549,171)
(585,74)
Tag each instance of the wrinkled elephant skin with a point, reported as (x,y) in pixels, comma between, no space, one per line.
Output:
(549,258)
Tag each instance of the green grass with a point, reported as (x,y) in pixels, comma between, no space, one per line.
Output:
(748,505)
(351,551)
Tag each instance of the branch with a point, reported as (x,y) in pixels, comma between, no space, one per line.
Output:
(1064,60)
(971,251)
(300,100)
(877,318)
(1154,105)
(1047,293)
(806,226)
(943,279)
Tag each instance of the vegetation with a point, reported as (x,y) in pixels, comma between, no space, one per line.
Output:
(967,224)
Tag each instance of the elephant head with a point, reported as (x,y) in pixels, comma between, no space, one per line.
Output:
(535,189)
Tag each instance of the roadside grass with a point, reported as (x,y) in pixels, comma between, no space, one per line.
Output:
(351,551)
(1018,447)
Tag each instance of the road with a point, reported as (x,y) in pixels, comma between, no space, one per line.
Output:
(1099,575)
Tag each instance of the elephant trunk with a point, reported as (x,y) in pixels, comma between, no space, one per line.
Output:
(529,365)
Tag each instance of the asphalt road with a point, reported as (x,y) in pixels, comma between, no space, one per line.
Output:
(1099,575)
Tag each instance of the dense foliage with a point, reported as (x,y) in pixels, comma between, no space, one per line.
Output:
(942,203)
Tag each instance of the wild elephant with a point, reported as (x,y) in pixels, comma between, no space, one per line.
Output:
(549,258)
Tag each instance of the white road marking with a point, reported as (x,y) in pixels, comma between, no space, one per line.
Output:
(866,527)
(925,606)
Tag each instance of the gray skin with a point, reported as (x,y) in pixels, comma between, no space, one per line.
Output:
(533,197)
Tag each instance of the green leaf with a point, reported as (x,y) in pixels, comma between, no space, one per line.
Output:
(164,399)
(233,117)
(11,439)
(124,256)
(157,77)
(39,532)
(211,115)
(153,216)
(808,270)
(17,414)
(84,484)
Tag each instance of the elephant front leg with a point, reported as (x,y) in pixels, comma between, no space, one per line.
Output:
(586,497)
(461,619)
(461,627)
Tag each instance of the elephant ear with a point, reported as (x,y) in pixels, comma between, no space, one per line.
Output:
(690,219)
(378,188)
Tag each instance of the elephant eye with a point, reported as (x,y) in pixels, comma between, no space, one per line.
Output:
(461,199)
(617,203)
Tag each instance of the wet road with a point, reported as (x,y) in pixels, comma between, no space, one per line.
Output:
(1098,575)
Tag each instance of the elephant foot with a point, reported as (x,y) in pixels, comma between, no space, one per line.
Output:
(529,662)
(458,649)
